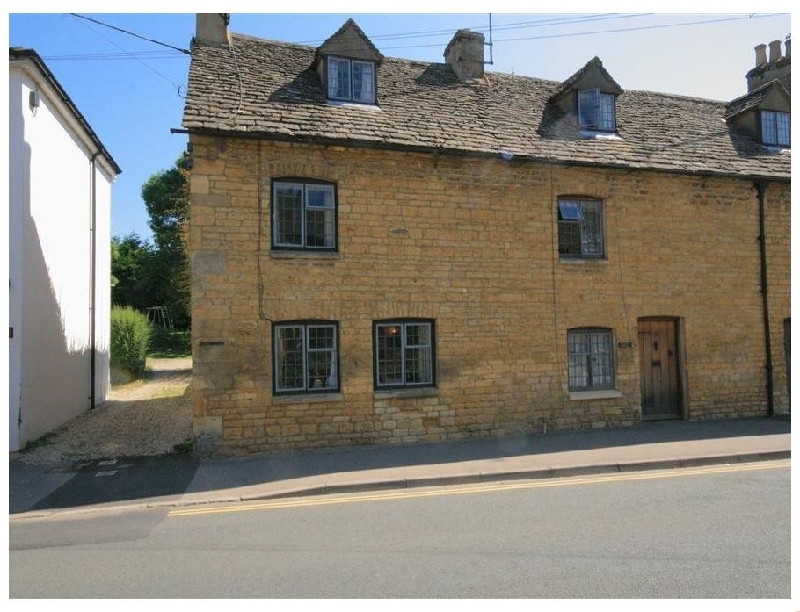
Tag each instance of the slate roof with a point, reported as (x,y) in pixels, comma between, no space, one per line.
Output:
(752,99)
(268,89)
(350,23)
(592,64)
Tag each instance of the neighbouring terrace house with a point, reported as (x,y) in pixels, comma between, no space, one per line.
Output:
(60,178)
(395,251)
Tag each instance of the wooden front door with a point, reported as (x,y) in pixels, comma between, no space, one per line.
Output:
(658,354)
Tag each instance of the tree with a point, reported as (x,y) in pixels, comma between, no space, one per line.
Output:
(130,261)
(166,196)
(157,274)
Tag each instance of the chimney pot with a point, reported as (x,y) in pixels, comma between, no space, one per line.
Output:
(761,55)
(788,44)
(212,29)
(464,53)
(774,51)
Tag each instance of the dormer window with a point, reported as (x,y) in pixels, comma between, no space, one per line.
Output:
(776,128)
(351,80)
(596,110)
(347,66)
(763,115)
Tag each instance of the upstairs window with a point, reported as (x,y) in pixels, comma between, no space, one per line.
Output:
(303,215)
(776,128)
(305,357)
(404,354)
(596,110)
(591,363)
(351,80)
(580,228)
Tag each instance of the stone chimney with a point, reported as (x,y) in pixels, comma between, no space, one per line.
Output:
(778,66)
(212,29)
(774,51)
(761,55)
(465,55)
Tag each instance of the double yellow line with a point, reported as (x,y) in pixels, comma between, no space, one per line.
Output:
(308,502)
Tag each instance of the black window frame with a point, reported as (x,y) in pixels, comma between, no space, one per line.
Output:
(596,112)
(775,115)
(308,387)
(568,228)
(591,359)
(350,97)
(403,324)
(304,245)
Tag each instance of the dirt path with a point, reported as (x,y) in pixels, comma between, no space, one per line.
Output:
(164,376)
(143,418)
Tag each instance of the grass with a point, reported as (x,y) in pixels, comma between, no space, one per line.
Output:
(170,343)
(41,441)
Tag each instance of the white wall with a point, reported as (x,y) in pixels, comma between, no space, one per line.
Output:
(103,284)
(17,193)
(56,270)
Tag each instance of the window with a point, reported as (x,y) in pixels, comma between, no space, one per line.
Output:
(591,363)
(775,128)
(580,228)
(404,354)
(351,80)
(305,357)
(596,110)
(303,215)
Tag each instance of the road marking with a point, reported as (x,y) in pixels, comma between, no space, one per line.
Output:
(483,488)
(106,473)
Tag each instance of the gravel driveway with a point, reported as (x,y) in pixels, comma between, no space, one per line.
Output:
(143,418)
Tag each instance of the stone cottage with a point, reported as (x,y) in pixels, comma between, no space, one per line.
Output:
(395,251)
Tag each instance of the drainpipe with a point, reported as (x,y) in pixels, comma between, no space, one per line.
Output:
(761,189)
(93,283)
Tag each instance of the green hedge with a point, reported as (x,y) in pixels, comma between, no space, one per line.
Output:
(130,339)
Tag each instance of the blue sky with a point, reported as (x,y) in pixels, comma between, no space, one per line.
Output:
(130,90)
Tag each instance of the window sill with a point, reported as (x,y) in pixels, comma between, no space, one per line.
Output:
(367,105)
(597,135)
(594,395)
(407,393)
(307,398)
(305,254)
(583,260)
(776,149)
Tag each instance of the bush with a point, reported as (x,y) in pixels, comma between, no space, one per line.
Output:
(170,342)
(130,340)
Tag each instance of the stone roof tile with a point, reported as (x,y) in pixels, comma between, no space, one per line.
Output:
(269,89)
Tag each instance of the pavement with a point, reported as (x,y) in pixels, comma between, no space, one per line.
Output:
(185,480)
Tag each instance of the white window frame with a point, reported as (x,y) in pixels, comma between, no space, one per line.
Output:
(592,360)
(571,213)
(307,206)
(427,349)
(311,383)
(776,128)
(365,96)
(597,102)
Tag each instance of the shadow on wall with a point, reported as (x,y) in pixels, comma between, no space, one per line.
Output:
(53,369)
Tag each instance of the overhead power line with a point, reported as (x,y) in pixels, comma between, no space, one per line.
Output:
(614,31)
(148,55)
(152,40)
(126,52)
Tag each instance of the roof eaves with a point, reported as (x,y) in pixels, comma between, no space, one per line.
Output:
(454,151)
(26,54)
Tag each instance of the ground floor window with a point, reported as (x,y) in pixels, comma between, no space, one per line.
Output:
(305,357)
(591,363)
(404,353)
